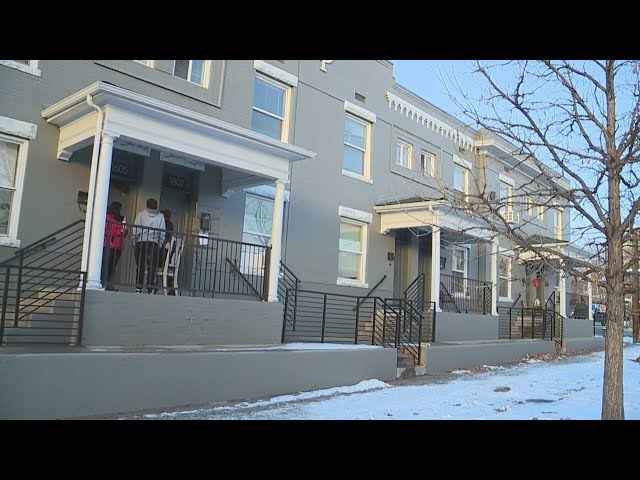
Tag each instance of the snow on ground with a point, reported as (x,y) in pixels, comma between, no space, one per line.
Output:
(570,388)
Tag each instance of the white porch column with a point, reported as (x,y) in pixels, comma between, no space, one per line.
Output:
(494,277)
(590,300)
(276,241)
(95,246)
(435,267)
(562,291)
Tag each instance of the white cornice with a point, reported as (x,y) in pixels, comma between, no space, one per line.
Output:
(420,116)
(18,128)
(275,72)
(358,111)
(354,214)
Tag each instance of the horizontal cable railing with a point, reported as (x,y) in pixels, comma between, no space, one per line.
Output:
(464,295)
(41,305)
(531,323)
(151,260)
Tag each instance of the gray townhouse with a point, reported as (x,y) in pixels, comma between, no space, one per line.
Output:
(329,168)
(299,202)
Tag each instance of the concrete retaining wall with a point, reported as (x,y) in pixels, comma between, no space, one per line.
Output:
(575,328)
(465,326)
(127,319)
(66,385)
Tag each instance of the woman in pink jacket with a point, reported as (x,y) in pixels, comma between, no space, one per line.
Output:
(115,232)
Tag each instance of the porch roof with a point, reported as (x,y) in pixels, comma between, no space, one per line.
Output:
(151,123)
(405,213)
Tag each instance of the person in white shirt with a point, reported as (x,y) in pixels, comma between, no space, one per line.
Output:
(148,235)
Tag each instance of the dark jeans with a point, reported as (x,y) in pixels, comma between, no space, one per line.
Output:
(112,258)
(146,254)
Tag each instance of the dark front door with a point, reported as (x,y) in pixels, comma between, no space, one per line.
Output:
(400,264)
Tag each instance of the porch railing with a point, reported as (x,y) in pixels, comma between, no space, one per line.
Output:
(464,295)
(152,260)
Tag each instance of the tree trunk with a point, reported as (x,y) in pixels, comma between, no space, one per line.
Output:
(612,390)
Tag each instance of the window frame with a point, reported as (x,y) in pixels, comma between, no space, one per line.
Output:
(432,163)
(529,207)
(205,73)
(11,237)
(361,280)
(507,277)
(465,271)
(558,227)
(540,215)
(245,266)
(286,99)
(409,148)
(465,178)
(366,167)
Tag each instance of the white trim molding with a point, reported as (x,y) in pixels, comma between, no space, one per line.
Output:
(356,176)
(354,214)
(10,239)
(347,282)
(267,191)
(275,72)
(18,128)
(462,162)
(423,118)
(509,180)
(31,69)
(358,111)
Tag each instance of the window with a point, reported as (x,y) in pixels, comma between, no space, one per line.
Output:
(403,154)
(190,70)
(459,267)
(258,217)
(506,196)
(354,157)
(504,287)
(541,213)
(428,163)
(460,178)
(558,224)
(529,207)
(12,159)
(269,109)
(351,251)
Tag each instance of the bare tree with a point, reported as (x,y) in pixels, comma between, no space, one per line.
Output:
(577,122)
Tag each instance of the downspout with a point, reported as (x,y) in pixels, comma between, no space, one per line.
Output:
(91,196)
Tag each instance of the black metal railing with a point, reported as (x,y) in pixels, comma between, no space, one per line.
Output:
(152,260)
(415,291)
(464,295)
(578,306)
(370,292)
(531,323)
(312,316)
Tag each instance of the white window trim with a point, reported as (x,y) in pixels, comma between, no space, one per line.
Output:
(31,69)
(409,153)
(10,239)
(152,64)
(502,253)
(530,207)
(262,198)
(284,134)
(508,206)
(206,68)
(358,111)
(432,161)
(274,72)
(361,219)
(558,229)
(366,160)
(540,213)
(464,272)
(466,178)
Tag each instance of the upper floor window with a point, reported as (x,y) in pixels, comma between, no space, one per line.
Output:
(541,213)
(460,178)
(355,146)
(403,154)
(12,159)
(190,70)
(506,196)
(558,224)
(270,100)
(428,163)
(528,205)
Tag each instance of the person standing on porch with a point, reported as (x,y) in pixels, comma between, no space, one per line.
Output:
(115,232)
(148,236)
